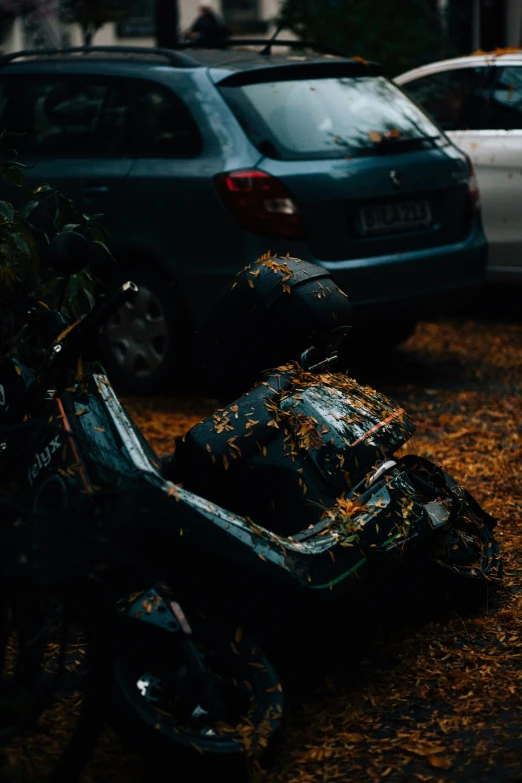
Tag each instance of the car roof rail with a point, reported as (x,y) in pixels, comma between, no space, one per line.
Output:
(267,44)
(173,57)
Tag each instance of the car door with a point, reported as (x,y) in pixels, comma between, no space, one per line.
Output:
(171,185)
(480,108)
(76,134)
(497,155)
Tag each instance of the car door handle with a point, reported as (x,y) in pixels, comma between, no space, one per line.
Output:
(95,191)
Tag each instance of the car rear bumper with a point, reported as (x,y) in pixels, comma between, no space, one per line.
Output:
(412,285)
(505,274)
(415,284)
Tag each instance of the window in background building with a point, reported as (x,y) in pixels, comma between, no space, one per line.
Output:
(242,16)
(139,21)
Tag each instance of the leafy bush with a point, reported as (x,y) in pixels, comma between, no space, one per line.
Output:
(400,34)
(27,225)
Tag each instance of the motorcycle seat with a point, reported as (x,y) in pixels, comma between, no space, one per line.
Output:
(209,454)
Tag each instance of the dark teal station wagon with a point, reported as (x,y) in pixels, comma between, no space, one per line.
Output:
(201,161)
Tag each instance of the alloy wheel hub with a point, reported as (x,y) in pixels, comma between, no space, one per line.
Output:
(138,335)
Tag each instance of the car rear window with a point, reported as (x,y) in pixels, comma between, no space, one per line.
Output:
(329,117)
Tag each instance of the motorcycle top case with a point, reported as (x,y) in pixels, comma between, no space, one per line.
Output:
(270,313)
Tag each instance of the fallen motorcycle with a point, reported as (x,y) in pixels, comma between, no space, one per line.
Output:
(181,681)
(308,458)
(296,484)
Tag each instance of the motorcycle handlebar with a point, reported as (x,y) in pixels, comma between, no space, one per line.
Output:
(87,326)
(101,312)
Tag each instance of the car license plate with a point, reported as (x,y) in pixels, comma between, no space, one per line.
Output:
(397,216)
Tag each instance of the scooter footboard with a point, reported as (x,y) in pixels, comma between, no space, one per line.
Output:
(237,543)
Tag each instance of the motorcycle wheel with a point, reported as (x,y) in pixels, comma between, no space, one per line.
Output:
(150,711)
(51,689)
(465,560)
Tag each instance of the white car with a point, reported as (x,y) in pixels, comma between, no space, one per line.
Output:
(477,101)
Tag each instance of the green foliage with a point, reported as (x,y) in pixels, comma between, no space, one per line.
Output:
(400,34)
(26,229)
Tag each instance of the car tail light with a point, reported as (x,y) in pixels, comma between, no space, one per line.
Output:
(260,203)
(473,188)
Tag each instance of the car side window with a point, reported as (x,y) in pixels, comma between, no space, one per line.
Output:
(457,99)
(66,116)
(506,99)
(165,126)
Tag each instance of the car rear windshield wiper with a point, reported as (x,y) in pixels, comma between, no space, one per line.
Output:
(387,144)
(268,149)
(406,140)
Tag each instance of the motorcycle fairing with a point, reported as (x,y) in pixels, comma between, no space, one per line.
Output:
(354,431)
(289,447)
(327,558)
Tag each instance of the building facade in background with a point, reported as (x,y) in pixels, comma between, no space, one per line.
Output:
(469,24)
(244,17)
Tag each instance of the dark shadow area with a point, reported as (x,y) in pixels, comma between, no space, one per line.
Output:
(498,302)
(410,368)
(399,367)
(329,653)
(459,351)
(327,648)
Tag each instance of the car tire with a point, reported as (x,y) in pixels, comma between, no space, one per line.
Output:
(145,343)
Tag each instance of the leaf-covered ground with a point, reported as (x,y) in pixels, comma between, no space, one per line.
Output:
(426,698)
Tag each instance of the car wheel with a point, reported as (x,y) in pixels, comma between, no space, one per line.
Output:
(145,340)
